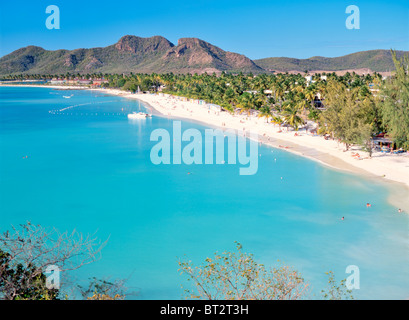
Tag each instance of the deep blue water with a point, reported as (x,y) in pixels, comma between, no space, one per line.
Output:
(88,168)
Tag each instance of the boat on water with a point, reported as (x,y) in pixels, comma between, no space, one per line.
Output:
(67,97)
(139,115)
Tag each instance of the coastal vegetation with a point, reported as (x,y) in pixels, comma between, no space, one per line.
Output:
(237,276)
(351,108)
(393,104)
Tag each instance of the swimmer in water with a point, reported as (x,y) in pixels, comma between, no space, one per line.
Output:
(399,210)
(342,218)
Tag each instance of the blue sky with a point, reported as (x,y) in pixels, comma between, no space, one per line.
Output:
(256,28)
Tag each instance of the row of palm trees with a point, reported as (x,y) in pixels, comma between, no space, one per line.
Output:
(280,98)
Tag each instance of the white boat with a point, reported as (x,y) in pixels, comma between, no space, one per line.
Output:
(139,115)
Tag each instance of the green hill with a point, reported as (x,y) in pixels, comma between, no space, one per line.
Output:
(376,60)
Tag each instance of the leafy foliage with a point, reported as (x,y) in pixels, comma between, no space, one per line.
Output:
(394,103)
(349,116)
(336,291)
(100,289)
(22,283)
(237,276)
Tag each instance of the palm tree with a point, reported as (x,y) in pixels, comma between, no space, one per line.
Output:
(291,116)
(265,112)
(246,102)
(277,120)
(310,95)
(302,106)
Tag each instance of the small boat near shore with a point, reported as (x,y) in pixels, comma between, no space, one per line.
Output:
(139,115)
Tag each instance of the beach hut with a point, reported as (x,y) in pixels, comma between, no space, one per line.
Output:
(382,142)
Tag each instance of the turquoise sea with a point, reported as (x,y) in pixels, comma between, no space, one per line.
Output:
(88,168)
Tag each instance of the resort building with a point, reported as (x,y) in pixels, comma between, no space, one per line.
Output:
(58,81)
(308,79)
(84,82)
(98,82)
(214,107)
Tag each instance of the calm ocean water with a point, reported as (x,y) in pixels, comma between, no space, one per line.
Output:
(89,168)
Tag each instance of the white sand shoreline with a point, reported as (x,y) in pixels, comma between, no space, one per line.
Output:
(391,169)
(394,171)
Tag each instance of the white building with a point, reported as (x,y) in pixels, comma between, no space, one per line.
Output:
(58,81)
(214,107)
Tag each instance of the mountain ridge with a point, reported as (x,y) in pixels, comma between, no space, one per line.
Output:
(190,55)
(129,54)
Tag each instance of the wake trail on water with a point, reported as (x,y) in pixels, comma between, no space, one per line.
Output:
(55,111)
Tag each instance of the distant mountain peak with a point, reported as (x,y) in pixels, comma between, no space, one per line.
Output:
(193,53)
(136,44)
(192,42)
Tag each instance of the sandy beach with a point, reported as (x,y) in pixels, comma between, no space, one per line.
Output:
(329,152)
(389,168)
(392,169)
